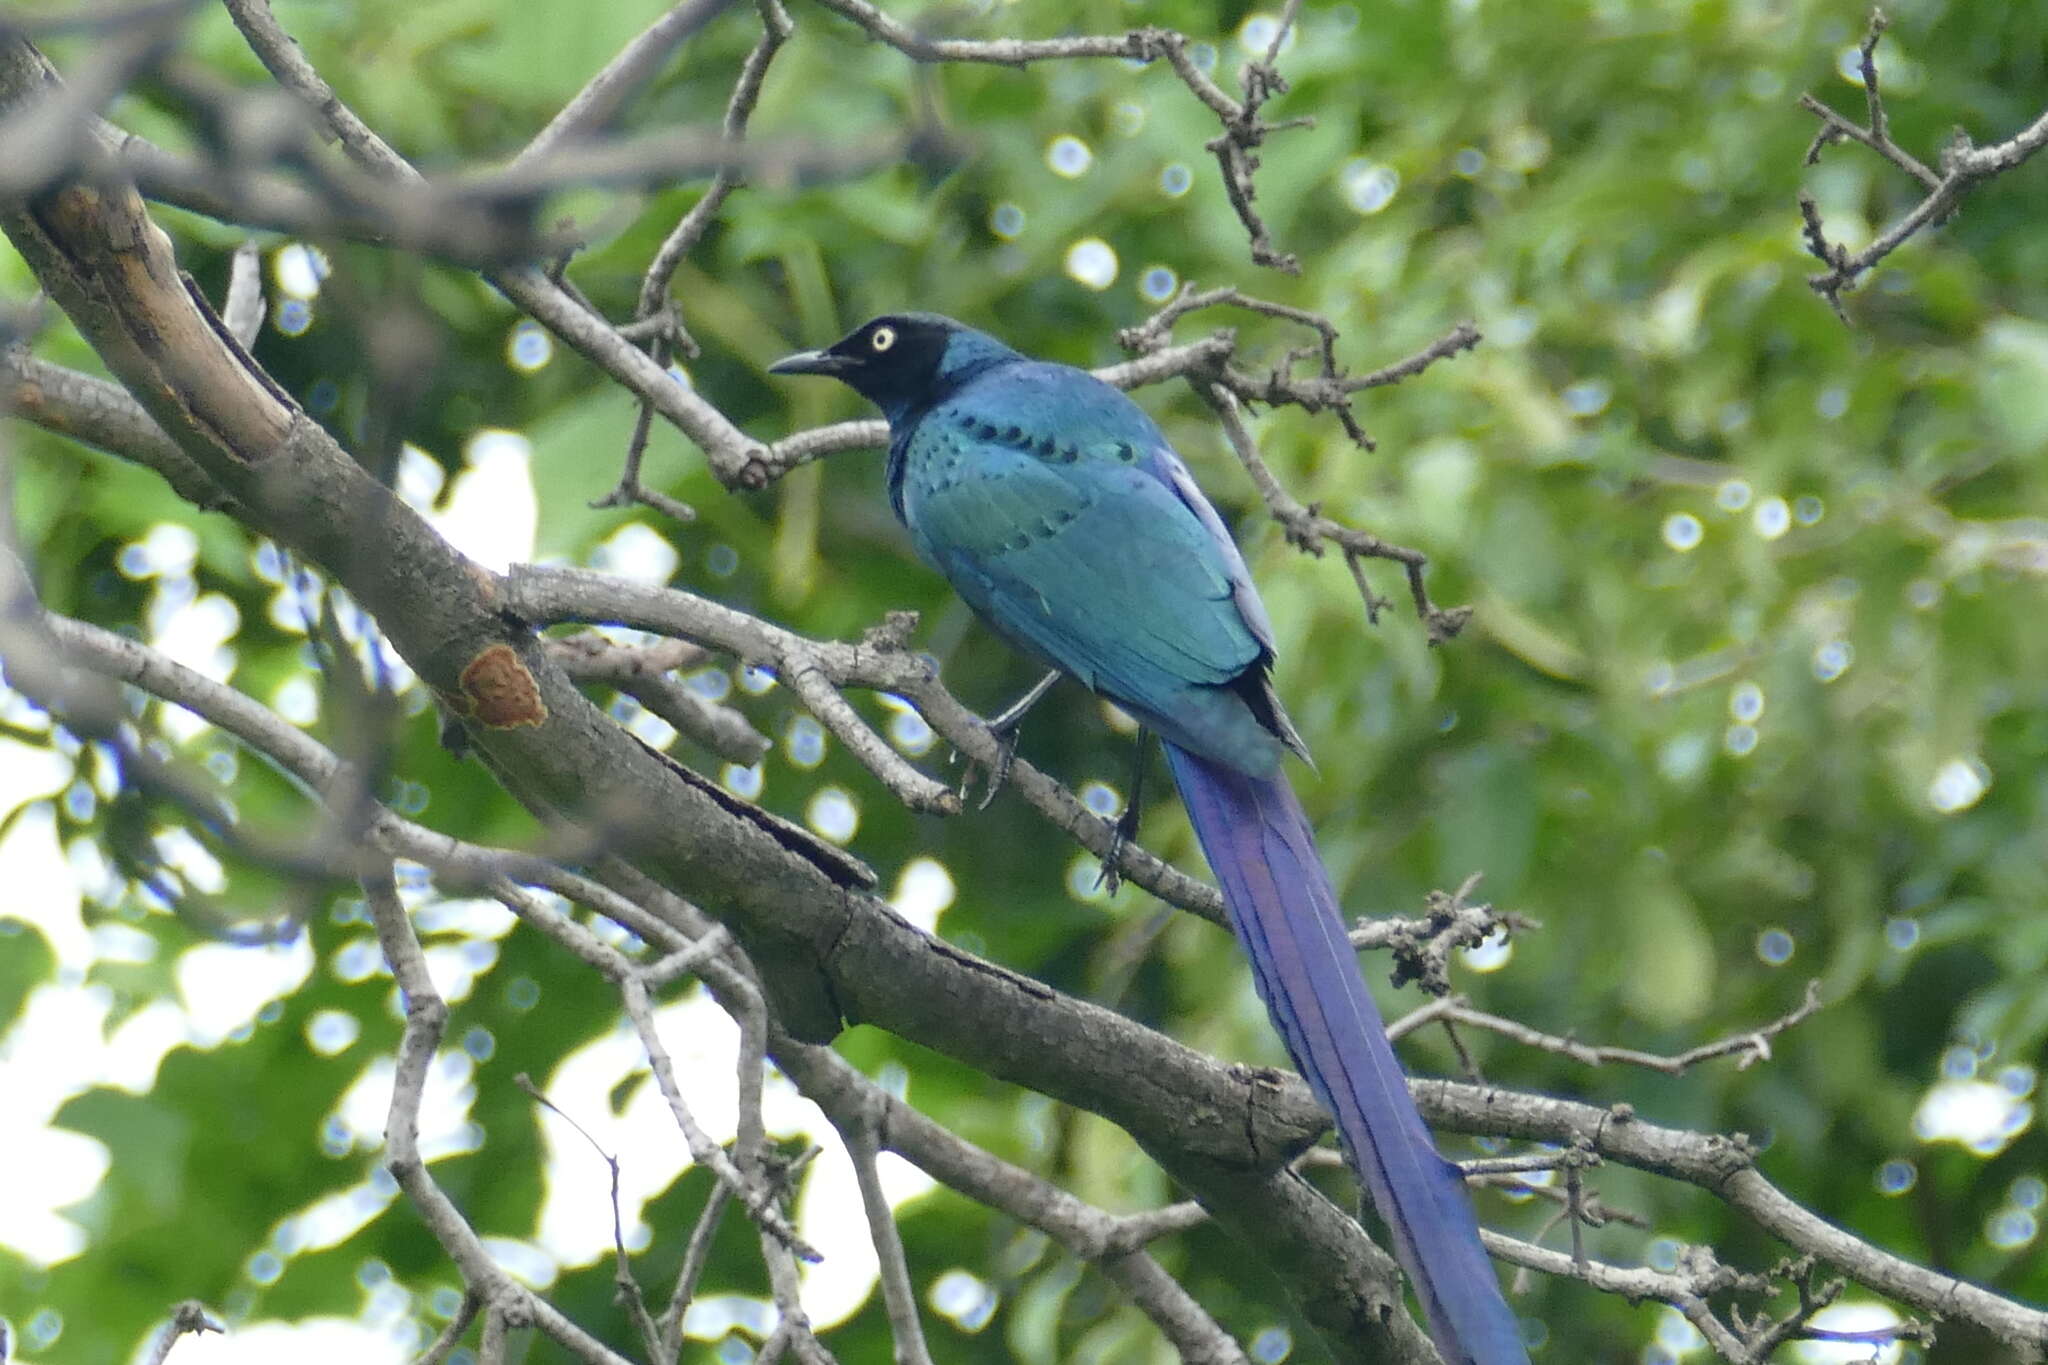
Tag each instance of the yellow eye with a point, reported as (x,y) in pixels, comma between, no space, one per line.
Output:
(882,338)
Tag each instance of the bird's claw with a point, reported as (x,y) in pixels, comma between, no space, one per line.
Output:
(1005,728)
(998,771)
(1121,835)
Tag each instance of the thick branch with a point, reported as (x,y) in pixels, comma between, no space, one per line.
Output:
(1106,1048)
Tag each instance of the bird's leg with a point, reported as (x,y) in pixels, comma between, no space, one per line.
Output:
(1005,726)
(1126,828)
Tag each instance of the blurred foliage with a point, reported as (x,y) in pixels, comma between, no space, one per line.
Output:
(1750,695)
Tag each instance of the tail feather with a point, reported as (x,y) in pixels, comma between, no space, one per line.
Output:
(1260,846)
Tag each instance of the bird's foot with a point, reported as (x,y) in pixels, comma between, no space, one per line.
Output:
(1005,735)
(1121,835)
(998,771)
(1005,727)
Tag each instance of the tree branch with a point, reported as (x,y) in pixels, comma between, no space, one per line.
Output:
(1964,166)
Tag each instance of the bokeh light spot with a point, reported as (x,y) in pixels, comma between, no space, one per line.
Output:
(963,1299)
(1683,532)
(1092,262)
(924,891)
(1772,518)
(744,781)
(1101,799)
(909,732)
(805,742)
(331,1031)
(1733,495)
(298,270)
(1271,1346)
(1490,954)
(294,317)
(1587,398)
(1368,186)
(1069,157)
(1256,34)
(833,813)
(2011,1229)
(529,347)
(1959,784)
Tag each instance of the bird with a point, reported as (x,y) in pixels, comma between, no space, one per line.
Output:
(1059,511)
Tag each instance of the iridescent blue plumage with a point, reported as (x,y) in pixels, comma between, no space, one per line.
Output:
(1057,509)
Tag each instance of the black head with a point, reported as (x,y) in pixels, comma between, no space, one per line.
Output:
(902,362)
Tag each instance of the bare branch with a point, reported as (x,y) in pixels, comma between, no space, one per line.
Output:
(1963,167)
(1309,529)
(746,92)
(1877,137)
(898,1297)
(600,101)
(1115,1245)
(1422,948)
(622,1270)
(188,1317)
(288,66)
(771,462)
(426,1018)
(1748,1048)
(451,1336)
(654,304)
(696,1256)
(1331,388)
(47,133)
(242,311)
(103,415)
(1244,129)
(641,672)
(880,661)
(758,1198)
(1714,1164)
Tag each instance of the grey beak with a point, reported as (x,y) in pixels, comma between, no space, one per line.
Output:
(809,362)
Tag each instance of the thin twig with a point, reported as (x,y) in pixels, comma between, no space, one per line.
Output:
(622,1266)
(1964,166)
(426,1019)
(1748,1048)
(188,1317)
(899,1299)
(598,103)
(451,1336)
(759,1200)
(1310,530)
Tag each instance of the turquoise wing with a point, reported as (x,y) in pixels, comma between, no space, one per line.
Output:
(1078,553)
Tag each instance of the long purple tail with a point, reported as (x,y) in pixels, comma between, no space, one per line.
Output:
(1263,852)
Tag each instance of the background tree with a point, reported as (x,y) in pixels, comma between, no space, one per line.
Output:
(1748,695)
